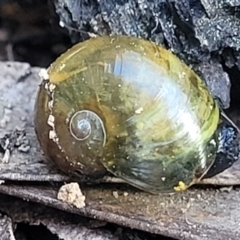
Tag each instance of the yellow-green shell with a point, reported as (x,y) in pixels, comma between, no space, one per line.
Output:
(157,117)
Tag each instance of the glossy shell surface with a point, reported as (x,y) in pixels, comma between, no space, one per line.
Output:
(126,106)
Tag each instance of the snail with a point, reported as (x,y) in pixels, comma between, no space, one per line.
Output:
(125,106)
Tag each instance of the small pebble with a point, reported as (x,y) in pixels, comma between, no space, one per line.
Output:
(72,194)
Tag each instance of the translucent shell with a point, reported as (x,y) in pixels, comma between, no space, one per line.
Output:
(129,107)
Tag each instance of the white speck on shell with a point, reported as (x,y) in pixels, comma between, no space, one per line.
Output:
(139,110)
(51,120)
(43,74)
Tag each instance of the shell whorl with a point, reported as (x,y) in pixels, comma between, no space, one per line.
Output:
(86,124)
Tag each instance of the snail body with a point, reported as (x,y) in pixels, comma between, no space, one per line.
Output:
(129,107)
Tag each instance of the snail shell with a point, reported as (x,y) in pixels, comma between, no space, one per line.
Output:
(126,106)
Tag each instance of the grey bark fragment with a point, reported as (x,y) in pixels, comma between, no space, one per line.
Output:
(65,225)
(191,215)
(70,231)
(18,89)
(217,80)
(6,228)
(14,89)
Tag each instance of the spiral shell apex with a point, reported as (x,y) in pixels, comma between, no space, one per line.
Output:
(126,106)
